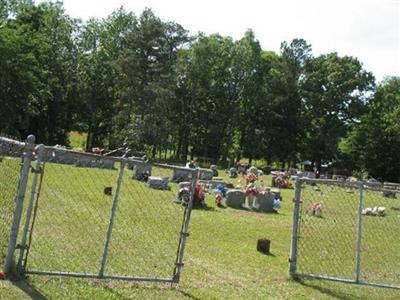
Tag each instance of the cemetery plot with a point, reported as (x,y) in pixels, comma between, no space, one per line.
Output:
(346,232)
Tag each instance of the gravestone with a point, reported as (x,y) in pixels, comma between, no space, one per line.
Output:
(241,169)
(61,157)
(106,164)
(266,202)
(211,184)
(253,170)
(159,183)
(233,173)
(235,198)
(214,169)
(181,174)
(141,171)
(84,162)
(263,245)
(206,174)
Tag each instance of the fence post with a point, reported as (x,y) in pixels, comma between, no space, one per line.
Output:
(359,232)
(295,230)
(185,229)
(19,202)
(112,216)
(37,170)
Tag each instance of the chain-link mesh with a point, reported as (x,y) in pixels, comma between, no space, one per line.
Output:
(10,165)
(332,244)
(72,216)
(380,255)
(92,217)
(147,227)
(328,230)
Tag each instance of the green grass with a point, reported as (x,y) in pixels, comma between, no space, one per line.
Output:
(221,261)
(77,140)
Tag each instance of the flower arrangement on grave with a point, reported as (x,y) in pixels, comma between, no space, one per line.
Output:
(221,189)
(218,199)
(3,275)
(316,209)
(250,178)
(184,195)
(199,195)
(376,211)
(251,190)
(97,150)
(277,202)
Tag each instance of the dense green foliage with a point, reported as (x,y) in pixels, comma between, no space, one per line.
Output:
(374,144)
(146,82)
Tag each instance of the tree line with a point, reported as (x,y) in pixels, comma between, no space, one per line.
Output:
(148,83)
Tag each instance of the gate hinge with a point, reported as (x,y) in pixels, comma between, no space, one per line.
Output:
(40,171)
(19,246)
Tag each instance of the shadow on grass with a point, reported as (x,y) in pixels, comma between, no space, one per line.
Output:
(328,291)
(29,290)
(258,211)
(186,294)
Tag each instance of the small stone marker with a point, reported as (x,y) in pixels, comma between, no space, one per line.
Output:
(108,190)
(263,245)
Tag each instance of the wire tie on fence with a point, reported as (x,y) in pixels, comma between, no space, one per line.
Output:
(185,233)
(19,246)
(179,264)
(294,200)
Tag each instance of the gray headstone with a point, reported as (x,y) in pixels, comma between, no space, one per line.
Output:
(84,162)
(159,183)
(141,171)
(266,202)
(62,157)
(253,170)
(206,174)
(235,198)
(180,175)
(233,173)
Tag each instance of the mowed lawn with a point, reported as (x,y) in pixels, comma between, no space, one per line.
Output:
(221,261)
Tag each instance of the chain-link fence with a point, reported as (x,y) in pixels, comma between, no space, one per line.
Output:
(346,232)
(10,165)
(94,216)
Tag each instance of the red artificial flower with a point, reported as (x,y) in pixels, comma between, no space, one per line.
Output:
(97,150)
(250,177)
(218,199)
(3,275)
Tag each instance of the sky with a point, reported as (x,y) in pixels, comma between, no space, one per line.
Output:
(366,29)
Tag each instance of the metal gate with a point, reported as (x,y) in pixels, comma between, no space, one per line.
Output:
(347,232)
(88,215)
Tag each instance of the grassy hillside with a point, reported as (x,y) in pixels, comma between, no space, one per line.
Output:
(221,261)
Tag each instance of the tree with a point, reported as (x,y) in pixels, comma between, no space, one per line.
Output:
(249,77)
(374,144)
(38,57)
(101,44)
(335,92)
(147,85)
(284,82)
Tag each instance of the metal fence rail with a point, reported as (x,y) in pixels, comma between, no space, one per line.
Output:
(10,165)
(336,237)
(14,184)
(91,216)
